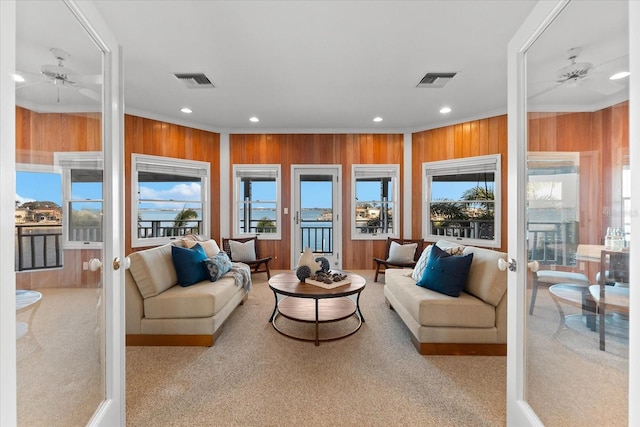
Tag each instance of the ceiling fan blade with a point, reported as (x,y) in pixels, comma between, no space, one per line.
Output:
(90,94)
(88,79)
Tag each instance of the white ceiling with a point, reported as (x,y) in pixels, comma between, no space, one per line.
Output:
(300,66)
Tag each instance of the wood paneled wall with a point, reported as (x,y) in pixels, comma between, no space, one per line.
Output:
(335,149)
(601,138)
(38,136)
(476,138)
(152,137)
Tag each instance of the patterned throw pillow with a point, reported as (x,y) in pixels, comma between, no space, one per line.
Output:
(243,252)
(402,254)
(418,270)
(218,265)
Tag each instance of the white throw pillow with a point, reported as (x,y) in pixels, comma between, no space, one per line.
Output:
(418,270)
(402,254)
(210,247)
(243,252)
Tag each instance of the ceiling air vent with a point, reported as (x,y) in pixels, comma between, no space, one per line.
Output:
(194,80)
(436,80)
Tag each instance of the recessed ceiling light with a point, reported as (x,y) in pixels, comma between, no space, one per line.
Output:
(186,110)
(445,110)
(18,78)
(621,75)
(377,119)
(254,119)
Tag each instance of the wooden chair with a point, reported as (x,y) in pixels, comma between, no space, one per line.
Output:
(382,262)
(614,268)
(260,265)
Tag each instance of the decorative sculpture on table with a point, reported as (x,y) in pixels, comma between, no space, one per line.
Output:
(324,264)
(307,265)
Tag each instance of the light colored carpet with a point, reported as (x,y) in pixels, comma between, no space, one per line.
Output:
(254,376)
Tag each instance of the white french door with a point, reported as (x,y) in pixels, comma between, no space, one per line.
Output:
(317,212)
(67,353)
(540,357)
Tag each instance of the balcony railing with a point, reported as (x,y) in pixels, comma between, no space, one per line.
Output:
(167,228)
(38,246)
(467,229)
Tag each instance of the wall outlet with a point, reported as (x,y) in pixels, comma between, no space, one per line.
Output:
(85,265)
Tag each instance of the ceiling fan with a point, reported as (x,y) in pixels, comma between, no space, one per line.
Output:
(583,74)
(61,76)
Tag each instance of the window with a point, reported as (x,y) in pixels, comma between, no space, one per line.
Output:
(38,217)
(256,207)
(462,200)
(169,199)
(552,206)
(375,206)
(82,205)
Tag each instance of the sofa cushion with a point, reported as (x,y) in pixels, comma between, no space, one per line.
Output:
(402,254)
(431,308)
(243,251)
(485,280)
(203,299)
(446,273)
(189,264)
(153,270)
(218,265)
(418,270)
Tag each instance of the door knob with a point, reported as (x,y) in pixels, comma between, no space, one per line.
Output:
(510,263)
(95,264)
(126,263)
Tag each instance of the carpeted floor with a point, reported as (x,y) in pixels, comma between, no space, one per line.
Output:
(254,376)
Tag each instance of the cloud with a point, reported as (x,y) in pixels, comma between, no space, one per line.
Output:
(187,191)
(23,200)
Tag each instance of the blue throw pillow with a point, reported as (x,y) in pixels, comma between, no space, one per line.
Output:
(218,265)
(188,264)
(446,273)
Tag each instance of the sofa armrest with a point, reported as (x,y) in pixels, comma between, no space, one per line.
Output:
(134,305)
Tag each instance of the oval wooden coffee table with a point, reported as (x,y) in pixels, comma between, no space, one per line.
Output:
(303,302)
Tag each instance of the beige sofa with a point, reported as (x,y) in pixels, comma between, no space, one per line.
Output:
(160,312)
(473,323)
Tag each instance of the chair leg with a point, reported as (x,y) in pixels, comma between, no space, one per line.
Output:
(534,293)
(266,266)
(601,325)
(377,271)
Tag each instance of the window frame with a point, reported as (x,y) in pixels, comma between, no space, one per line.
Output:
(241,171)
(184,167)
(391,171)
(65,162)
(487,163)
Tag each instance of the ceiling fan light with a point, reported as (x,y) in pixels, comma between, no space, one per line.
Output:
(620,75)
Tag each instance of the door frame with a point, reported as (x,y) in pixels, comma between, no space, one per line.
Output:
(335,170)
(112,409)
(518,410)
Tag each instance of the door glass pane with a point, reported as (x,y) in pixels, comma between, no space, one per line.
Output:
(576,347)
(316,213)
(60,356)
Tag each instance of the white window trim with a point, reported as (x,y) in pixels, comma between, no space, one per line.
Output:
(193,168)
(463,165)
(378,170)
(240,170)
(65,161)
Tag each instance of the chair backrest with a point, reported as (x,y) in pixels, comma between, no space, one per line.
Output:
(614,267)
(416,255)
(226,246)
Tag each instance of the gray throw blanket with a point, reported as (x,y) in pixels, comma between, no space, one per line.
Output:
(241,274)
